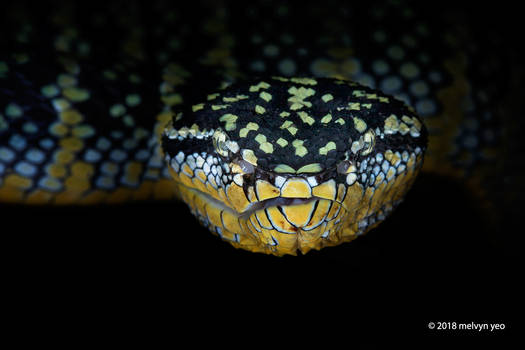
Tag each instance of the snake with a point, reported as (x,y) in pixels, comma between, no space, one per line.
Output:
(284,127)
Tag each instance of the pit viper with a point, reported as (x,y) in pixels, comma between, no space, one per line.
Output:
(284,127)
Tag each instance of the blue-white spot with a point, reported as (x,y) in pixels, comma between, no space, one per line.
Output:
(140,133)
(46,143)
(17,142)
(109,168)
(435,77)
(92,156)
(25,169)
(271,50)
(118,155)
(409,70)
(142,155)
(117,134)
(129,121)
(4,125)
(50,183)
(380,67)
(2,168)
(426,107)
(419,88)
(129,182)
(13,110)
(6,155)
(50,91)
(287,67)
(103,144)
(35,156)
(30,127)
(396,52)
(390,84)
(105,182)
(352,66)
(60,104)
(130,144)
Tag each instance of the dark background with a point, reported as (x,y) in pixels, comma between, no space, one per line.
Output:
(433,260)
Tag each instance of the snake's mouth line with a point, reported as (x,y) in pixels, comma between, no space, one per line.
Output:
(255,206)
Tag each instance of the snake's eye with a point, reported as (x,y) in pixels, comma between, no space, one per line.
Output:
(369,139)
(220,142)
(345,167)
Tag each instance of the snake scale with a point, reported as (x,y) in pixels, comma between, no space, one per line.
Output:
(284,127)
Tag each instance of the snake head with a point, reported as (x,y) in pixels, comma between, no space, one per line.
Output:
(294,164)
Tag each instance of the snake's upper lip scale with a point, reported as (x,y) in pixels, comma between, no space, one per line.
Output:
(255,206)
(274,202)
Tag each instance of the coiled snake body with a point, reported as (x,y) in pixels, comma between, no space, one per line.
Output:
(284,128)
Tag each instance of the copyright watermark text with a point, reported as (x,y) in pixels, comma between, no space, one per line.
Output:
(467,326)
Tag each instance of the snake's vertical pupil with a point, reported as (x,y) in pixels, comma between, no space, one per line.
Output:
(345,166)
(369,142)
(220,139)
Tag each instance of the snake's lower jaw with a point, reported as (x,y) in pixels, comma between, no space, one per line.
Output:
(268,219)
(303,225)
(277,230)
(327,214)
(284,229)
